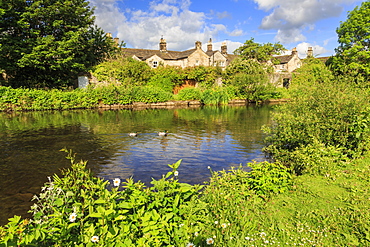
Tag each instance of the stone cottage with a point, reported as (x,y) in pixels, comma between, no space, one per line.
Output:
(188,58)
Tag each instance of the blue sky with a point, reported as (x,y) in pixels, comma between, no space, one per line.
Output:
(293,23)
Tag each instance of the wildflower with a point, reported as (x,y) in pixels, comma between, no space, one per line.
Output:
(176,173)
(216,222)
(196,234)
(73,217)
(181,225)
(209,167)
(210,241)
(94,239)
(116,182)
(247,238)
(190,245)
(223,225)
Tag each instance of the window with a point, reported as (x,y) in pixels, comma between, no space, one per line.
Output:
(155,64)
(196,62)
(222,64)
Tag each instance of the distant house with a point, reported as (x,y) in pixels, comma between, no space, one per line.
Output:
(183,59)
(288,63)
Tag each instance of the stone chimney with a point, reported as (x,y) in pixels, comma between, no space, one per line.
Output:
(294,51)
(198,45)
(209,45)
(310,52)
(224,48)
(163,45)
(116,41)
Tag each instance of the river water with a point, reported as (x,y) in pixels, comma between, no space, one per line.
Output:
(219,137)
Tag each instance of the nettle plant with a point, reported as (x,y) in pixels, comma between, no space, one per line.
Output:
(81,210)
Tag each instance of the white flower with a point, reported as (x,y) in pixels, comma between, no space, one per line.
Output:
(190,245)
(196,234)
(247,238)
(208,167)
(94,239)
(223,225)
(210,241)
(73,217)
(216,222)
(176,173)
(116,182)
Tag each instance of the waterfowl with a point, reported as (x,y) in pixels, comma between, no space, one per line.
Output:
(162,133)
(132,134)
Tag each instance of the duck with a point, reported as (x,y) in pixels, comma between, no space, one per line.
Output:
(162,133)
(132,134)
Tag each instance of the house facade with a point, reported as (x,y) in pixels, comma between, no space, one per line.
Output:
(189,58)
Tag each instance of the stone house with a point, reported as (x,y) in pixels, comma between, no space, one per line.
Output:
(183,59)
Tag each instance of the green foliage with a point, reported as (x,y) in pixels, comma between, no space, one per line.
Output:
(166,77)
(189,93)
(216,95)
(79,210)
(261,207)
(47,43)
(353,55)
(123,71)
(150,94)
(330,118)
(250,78)
(261,53)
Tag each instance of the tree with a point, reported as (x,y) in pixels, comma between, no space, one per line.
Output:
(353,53)
(260,52)
(46,43)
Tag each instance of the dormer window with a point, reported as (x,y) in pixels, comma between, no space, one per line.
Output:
(155,64)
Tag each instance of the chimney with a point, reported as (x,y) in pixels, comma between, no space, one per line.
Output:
(310,52)
(116,41)
(109,35)
(294,51)
(198,45)
(163,45)
(224,48)
(209,46)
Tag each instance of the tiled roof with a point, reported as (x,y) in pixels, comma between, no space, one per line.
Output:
(143,54)
(284,59)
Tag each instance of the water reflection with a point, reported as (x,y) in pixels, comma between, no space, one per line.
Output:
(210,136)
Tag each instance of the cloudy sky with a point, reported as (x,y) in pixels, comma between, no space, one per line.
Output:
(293,23)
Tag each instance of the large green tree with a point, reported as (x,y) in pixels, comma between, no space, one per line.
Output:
(46,43)
(259,52)
(353,53)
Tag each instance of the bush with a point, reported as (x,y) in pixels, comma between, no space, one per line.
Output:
(189,93)
(150,94)
(331,116)
(216,95)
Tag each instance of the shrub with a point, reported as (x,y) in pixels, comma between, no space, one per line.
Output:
(189,93)
(150,94)
(332,114)
(215,96)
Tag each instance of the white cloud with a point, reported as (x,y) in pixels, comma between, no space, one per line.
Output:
(292,17)
(236,32)
(317,50)
(171,19)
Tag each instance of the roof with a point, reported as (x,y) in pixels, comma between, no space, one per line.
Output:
(284,59)
(144,54)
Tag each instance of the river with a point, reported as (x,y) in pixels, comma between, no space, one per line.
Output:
(219,137)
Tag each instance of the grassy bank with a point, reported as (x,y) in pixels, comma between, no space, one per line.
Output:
(265,207)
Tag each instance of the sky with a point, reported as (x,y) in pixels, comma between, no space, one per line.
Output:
(293,23)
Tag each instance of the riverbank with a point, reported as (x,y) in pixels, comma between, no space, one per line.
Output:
(113,98)
(263,207)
